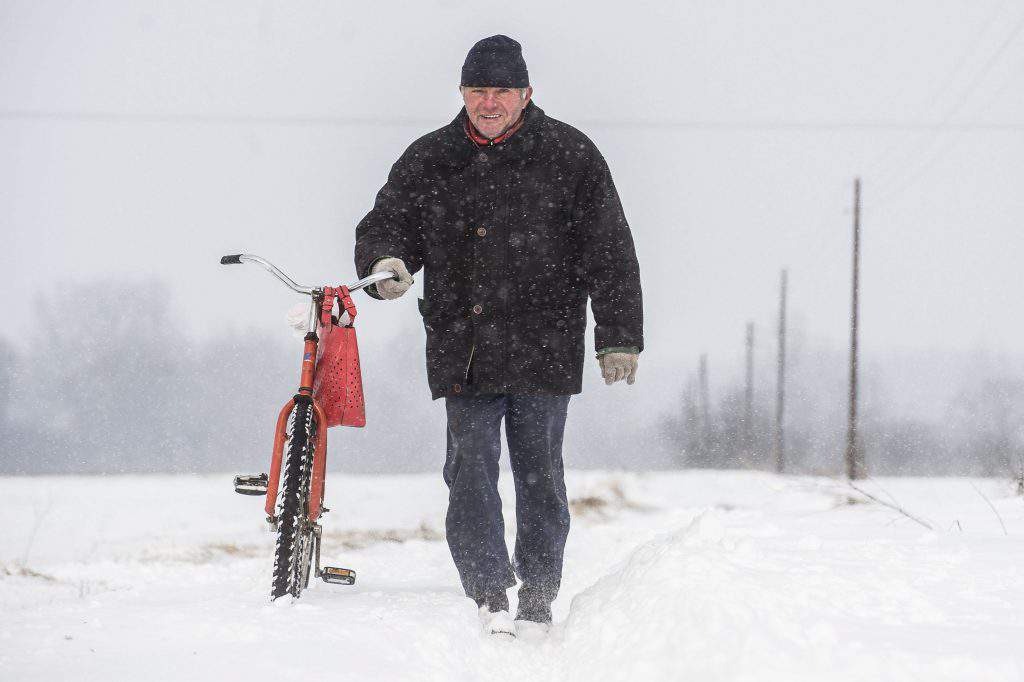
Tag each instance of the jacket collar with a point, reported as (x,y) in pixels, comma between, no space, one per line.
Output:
(523,138)
(482,141)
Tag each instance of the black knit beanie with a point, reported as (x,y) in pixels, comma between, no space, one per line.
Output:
(495,62)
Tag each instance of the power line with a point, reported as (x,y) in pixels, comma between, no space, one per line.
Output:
(807,126)
(976,42)
(916,174)
(752,125)
(206,119)
(979,78)
(898,169)
(944,85)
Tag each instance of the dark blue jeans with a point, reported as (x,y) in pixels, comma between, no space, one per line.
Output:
(534,425)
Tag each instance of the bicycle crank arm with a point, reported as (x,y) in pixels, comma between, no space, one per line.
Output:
(338,576)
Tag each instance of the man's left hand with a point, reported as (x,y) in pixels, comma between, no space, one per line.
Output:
(618,366)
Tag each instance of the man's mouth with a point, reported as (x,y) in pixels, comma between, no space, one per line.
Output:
(490,117)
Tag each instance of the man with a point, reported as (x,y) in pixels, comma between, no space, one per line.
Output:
(515,220)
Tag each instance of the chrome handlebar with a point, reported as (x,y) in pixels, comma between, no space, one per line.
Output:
(298,288)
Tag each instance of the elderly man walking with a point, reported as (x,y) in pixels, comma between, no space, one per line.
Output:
(515,221)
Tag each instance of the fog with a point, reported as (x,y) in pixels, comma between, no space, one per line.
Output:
(141,141)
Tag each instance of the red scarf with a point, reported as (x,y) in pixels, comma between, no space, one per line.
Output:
(482,141)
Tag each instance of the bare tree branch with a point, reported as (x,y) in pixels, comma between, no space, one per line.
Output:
(38,516)
(890,505)
(990,506)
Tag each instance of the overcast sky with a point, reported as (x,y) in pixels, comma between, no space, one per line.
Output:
(150,138)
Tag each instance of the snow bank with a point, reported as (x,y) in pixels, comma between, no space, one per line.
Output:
(705,576)
(704,603)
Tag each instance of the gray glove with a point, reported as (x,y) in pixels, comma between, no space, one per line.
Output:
(390,288)
(618,366)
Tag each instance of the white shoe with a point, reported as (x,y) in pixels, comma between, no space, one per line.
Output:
(497,623)
(531,630)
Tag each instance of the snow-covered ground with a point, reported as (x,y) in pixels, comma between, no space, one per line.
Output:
(669,576)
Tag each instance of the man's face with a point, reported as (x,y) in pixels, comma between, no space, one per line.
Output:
(493,110)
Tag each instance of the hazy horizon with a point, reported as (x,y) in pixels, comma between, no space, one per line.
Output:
(145,140)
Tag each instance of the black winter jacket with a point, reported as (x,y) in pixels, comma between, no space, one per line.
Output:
(513,238)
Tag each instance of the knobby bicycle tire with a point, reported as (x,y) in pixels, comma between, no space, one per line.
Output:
(293,552)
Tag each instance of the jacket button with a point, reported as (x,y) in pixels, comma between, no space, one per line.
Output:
(477,309)
(481,232)
(457,388)
(481,157)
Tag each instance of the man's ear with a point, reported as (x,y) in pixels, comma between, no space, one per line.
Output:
(527,93)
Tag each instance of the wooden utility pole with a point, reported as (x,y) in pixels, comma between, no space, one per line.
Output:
(691,422)
(748,398)
(855,467)
(705,410)
(780,382)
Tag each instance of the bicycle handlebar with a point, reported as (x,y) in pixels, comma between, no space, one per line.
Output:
(238,259)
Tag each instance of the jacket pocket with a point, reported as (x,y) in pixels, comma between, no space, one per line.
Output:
(545,344)
(449,344)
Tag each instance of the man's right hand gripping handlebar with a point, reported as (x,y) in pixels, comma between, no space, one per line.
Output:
(392,288)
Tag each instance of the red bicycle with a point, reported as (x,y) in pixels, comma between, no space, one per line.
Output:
(329,394)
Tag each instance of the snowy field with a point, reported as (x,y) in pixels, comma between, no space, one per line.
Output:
(669,576)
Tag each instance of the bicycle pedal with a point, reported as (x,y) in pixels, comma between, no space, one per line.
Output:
(338,576)
(251,484)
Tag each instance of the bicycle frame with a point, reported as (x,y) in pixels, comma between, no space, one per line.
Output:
(305,390)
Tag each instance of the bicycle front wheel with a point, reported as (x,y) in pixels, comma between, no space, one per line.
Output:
(295,536)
